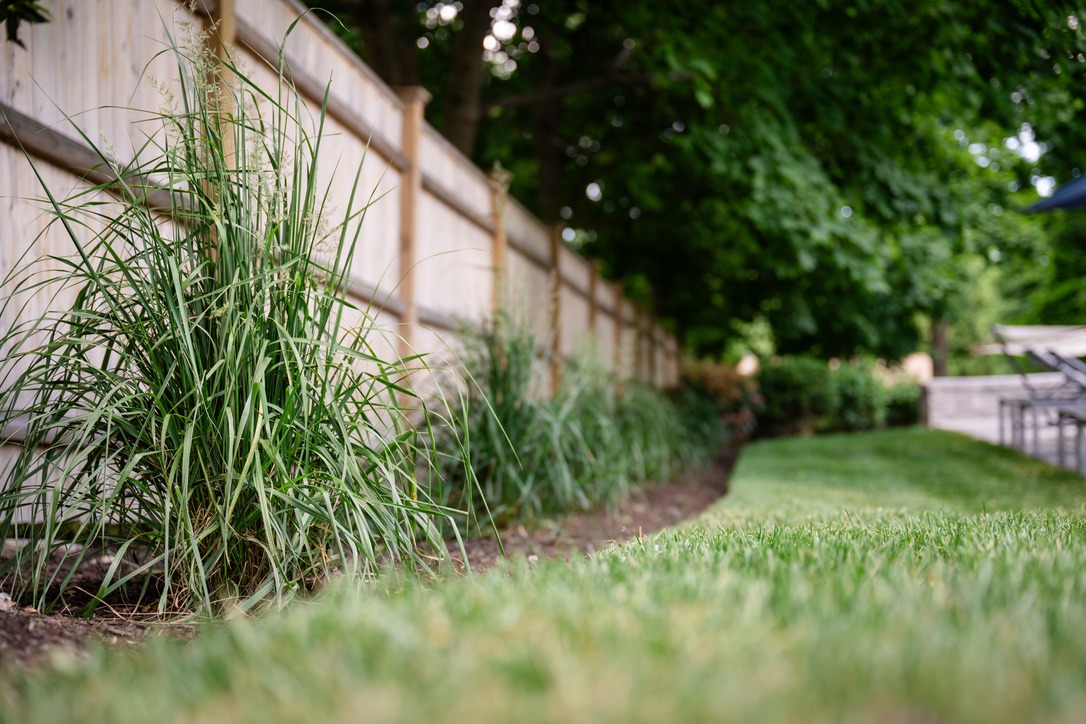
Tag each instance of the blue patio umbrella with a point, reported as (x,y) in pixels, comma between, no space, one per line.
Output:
(1071,195)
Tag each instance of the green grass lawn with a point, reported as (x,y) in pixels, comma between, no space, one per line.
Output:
(906,576)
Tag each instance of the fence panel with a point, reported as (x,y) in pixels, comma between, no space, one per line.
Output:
(439,236)
(454,270)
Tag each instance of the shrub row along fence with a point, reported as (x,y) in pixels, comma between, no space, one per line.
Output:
(443,244)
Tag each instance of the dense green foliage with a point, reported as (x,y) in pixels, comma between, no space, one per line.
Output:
(805,395)
(796,392)
(211,408)
(1056,294)
(14,13)
(839,172)
(584,446)
(859,399)
(912,575)
(903,404)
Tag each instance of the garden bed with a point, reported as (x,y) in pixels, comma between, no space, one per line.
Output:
(648,509)
(27,637)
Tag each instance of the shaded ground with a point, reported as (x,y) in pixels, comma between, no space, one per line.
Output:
(647,510)
(28,637)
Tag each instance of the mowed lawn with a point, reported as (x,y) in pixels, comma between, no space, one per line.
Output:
(904,576)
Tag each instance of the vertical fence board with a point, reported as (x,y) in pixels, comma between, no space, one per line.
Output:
(605,339)
(313,49)
(454,271)
(414,101)
(528,295)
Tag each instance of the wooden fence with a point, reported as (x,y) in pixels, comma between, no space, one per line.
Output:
(444,246)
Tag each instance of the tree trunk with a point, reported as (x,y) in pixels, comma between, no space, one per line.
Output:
(389,30)
(547,147)
(462,109)
(940,349)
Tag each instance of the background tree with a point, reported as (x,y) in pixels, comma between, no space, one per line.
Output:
(836,172)
(14,13)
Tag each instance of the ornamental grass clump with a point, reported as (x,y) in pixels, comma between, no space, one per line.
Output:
(508,472)
(586,445)
(618,436)
(210,411)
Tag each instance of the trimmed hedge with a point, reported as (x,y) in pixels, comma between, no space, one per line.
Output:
(804,395)
(797,392)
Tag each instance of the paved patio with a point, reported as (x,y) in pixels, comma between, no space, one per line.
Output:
(971,405)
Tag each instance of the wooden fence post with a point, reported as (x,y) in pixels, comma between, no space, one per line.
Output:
(593,303)
(222,24)
(556,307)
(224,36)
(639,345)
(665,359)
(414,100)
(672,377)
(654,345)
(499,185)
(620,323)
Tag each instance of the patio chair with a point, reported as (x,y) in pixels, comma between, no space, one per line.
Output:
(1050,347)
(1073,412)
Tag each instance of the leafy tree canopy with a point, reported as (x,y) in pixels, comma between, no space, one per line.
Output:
(833,169)
(14,13)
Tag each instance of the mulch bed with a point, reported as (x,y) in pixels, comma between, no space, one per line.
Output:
(647,510)
(28,638)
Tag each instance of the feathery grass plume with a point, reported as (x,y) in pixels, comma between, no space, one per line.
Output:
(209,410)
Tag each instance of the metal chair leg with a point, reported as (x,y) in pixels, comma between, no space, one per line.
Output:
(1059,439)
(1078,447)
(1036,433)
(1002,408)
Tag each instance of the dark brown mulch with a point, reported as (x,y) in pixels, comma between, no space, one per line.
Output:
(28,638)
(647,510)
